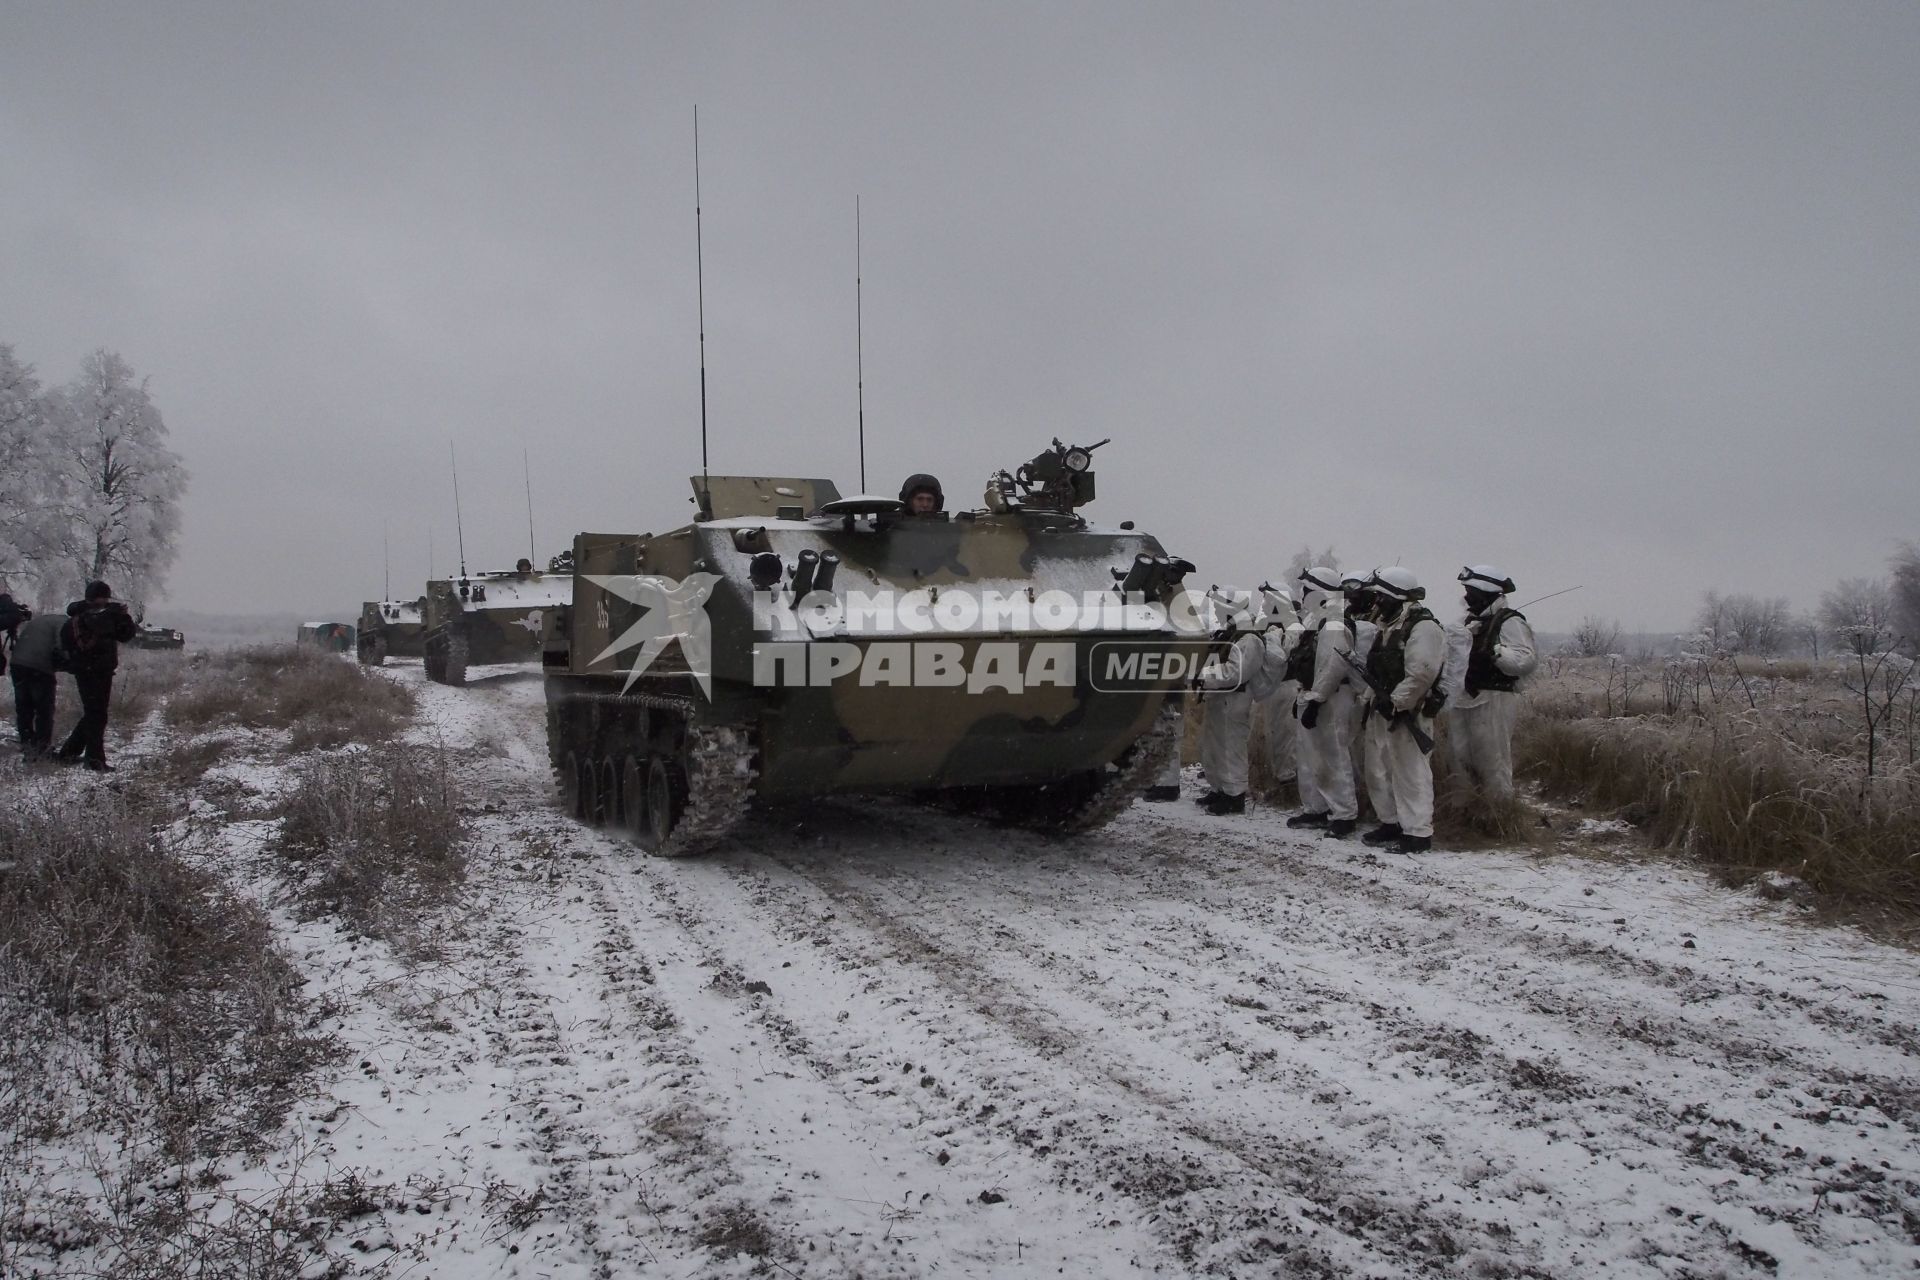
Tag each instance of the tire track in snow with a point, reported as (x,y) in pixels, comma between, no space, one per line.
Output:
(819,1140)
(1007,1069)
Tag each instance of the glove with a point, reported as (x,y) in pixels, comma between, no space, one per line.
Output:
(1310,714)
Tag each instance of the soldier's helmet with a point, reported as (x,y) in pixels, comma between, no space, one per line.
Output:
(921,482)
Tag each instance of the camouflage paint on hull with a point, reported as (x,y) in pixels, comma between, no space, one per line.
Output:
(849,736)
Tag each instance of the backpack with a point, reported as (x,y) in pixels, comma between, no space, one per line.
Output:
(1271,669)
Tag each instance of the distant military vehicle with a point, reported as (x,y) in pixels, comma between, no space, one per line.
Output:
(391,629)
(486,619)
(679,689)
(149,637)
(334,637)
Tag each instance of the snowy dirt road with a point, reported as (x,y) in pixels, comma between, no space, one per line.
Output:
(867,1039)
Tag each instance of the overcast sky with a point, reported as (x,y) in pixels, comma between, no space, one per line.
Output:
(1624,295)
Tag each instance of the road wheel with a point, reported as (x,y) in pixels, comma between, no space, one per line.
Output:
(633,800)
(573,787)
(666,800)
(606,793)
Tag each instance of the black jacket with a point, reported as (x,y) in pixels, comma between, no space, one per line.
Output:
(93,635)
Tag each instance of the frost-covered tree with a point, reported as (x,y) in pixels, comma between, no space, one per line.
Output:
(1858,614)
(1905,586)
(119,484)
(1595,637)
(1745,624)
(28,507)
(1306,558)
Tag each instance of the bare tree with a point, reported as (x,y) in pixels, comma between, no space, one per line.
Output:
(1858,614)
(1745,624)
(119,484)
(1905,587)
(1595,637)
(1307,558)
(1809,629)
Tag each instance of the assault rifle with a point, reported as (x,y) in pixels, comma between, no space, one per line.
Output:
(1383,703)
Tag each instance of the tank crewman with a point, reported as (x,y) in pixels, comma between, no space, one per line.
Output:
(1501,655)
(922,495)
(1325,708)
(1404,671)
(1276,696)
(1225,685)
(96,628)
(523,568)
(35,653)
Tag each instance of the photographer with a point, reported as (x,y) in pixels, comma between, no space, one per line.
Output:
(96,628)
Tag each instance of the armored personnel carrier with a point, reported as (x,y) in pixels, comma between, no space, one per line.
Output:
(150,637)
(487,619)
(790,642)
(391,629)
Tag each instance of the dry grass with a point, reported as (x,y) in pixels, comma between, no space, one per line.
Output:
(161,964)
(1752,768)
(321,699)
(376,837)
(145,1017)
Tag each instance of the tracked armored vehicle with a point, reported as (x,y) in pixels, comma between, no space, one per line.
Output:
(790,642)
(486,619)
(149,637)
(391,629)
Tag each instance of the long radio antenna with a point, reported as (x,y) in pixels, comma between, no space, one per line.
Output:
(386,564)
(700,284)
(459,531)
(859,348)
(526,473)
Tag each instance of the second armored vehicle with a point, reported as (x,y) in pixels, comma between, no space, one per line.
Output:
(487,619)
(391,629)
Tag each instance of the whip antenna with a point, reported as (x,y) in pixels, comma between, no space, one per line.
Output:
(459,532)
(859,353)
(1551,595)
(527,474)
(700,286)
(386,564)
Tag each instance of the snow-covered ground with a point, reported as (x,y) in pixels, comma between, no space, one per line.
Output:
(867,1039)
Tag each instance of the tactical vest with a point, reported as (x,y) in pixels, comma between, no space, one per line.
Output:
(1300,662)
(1483,674)
(1387,662)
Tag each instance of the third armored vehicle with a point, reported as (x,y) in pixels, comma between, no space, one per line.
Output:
(487,618)
(391,629)
(790,642)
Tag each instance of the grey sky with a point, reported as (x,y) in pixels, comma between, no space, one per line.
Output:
(1618,294)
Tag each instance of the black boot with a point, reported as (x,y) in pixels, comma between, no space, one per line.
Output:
(1169,792)
(1220,803)
(1385,833)
(1299,820)
(1341,828)
(1413,844)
